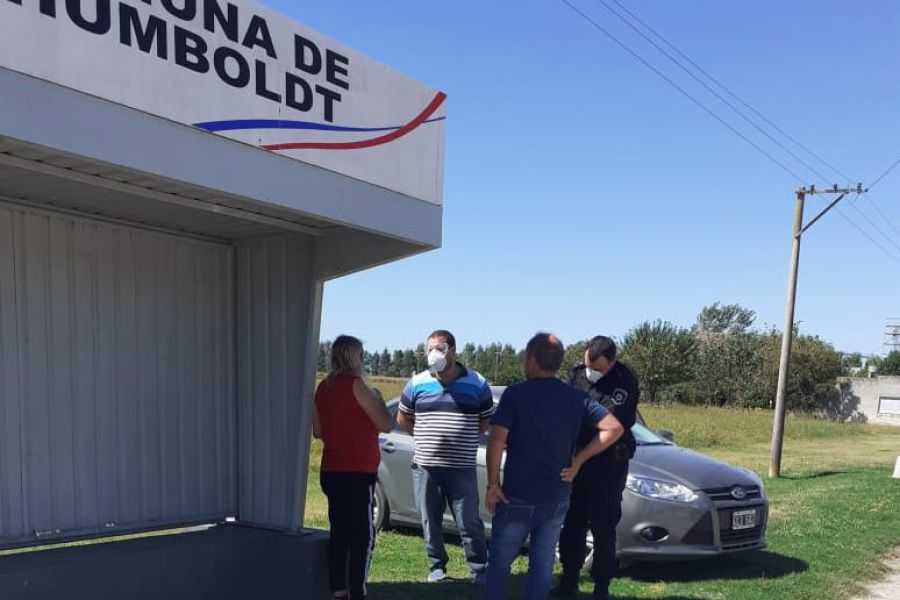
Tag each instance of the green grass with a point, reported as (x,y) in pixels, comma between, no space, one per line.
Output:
(390,387)
(703,427)
(834,515)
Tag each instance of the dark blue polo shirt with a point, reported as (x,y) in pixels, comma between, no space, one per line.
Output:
(544,417)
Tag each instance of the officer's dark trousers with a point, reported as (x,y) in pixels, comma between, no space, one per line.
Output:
(596,505)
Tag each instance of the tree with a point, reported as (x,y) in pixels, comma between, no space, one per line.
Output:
(854,359)
(384,366)
(409,362)
(467,355)
(815,366)
(661,355)
(724,318)
(323,359)
(510,367)
(396,369)
(574,356)
(891,364)
(726,368)
(421,358)
(499,363)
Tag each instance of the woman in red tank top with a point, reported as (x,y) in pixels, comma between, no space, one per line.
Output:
(348,416)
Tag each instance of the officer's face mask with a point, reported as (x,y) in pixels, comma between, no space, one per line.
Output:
(592,375)
(437,360)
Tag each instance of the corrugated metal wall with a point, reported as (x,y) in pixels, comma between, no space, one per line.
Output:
(117,400)
(277,320)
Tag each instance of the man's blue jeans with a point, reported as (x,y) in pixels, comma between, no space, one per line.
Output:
(512,525)
(435,488)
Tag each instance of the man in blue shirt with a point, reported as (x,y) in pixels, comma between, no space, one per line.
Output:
(537,422)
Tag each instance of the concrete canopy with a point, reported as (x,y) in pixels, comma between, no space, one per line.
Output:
(116,162)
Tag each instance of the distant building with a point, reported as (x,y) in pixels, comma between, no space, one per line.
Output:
(866,399)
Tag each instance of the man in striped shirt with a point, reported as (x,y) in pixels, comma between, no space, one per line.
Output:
(446,409)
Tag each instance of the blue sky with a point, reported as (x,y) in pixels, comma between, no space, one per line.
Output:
(583,194)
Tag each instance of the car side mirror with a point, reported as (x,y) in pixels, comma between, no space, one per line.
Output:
(666,435)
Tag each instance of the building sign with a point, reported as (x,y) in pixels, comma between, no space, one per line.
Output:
(236,69)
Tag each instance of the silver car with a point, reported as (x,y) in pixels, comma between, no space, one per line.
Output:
(678,504)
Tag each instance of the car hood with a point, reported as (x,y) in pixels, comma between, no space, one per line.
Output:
(692,469)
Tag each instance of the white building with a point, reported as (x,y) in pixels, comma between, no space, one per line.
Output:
(869,400)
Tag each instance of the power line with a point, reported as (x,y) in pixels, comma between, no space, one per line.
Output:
(875,204)
(710,89)
(881,212)
(871,239)
(731,93)
(680,89)
(731,128)
(875,226)
(756,112)
(885,174)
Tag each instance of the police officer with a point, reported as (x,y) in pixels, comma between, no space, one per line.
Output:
(597,490)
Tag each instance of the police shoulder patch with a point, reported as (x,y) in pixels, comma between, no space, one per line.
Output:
(619,396)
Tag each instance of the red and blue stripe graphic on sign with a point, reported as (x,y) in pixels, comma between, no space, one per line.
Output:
(394,132)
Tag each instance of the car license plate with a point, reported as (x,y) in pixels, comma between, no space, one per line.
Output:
(743,519)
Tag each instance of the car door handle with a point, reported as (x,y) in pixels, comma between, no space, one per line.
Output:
(388,447)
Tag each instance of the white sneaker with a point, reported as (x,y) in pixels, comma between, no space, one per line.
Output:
(436,575)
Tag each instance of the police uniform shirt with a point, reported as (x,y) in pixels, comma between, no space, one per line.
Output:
(618,392)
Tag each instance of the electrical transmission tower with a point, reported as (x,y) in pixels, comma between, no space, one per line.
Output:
(892,332)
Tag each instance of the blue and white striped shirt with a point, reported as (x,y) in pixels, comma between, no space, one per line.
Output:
(447,418)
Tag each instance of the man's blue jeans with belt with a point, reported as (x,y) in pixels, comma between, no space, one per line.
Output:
(512,524)
(437,487)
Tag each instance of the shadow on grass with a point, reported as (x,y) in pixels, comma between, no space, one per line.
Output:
(453,590)
(755,565)
(432,591)
(450,538)
(812,475)
(615,597)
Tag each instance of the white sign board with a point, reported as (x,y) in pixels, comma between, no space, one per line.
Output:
(236,69)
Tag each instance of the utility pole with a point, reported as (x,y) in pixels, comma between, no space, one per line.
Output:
(496,368)
(788,333)
(893,334)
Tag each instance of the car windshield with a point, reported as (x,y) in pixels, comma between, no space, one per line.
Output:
(645,437)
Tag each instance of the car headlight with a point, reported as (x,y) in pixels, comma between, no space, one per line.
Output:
(659,490)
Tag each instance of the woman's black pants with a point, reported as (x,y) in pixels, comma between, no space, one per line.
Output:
(350,512)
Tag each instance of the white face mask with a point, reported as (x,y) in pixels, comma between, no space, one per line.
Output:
(592,375)
(437,360)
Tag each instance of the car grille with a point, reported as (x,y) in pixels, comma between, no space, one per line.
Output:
(741,538)
(724,493)
(702,531)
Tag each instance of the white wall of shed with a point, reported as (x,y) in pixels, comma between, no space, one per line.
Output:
(117,399)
